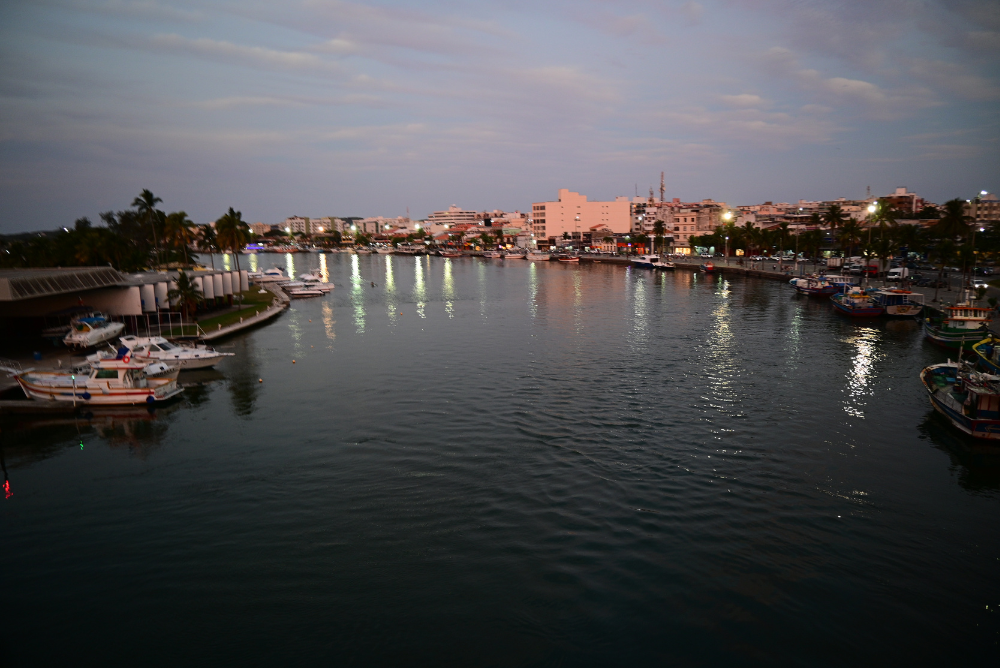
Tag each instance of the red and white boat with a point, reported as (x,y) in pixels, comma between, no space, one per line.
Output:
(106,382)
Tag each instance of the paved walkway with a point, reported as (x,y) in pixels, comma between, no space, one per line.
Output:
(262,316)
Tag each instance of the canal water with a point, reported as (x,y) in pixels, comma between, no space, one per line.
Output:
(472,462)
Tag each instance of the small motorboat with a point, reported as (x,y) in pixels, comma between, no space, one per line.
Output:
(539,256)
(450,253)
(988,354)
(183,357)
(570,258)
(310,278)
(708,267)
(513,255)
(119,381)
(493,255)
(646,261)
(91,331)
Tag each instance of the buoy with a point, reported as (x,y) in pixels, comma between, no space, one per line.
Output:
(260,380)
(293,361)
(310,319)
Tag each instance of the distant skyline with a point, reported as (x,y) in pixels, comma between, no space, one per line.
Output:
(323,107)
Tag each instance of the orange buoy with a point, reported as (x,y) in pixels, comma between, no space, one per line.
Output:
(260,380)
(293,361)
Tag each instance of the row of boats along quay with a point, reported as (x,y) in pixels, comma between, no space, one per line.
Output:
(133,349)
(137,357)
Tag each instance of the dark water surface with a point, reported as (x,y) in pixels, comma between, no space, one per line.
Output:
(474,463)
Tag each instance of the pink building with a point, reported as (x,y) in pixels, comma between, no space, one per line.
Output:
(574,215)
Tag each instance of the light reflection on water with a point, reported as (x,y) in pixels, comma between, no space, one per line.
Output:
(226,262)
(357,294)
(419,289)
(668,507)
(254,263)
(448,288)
(324,271)
(866,342)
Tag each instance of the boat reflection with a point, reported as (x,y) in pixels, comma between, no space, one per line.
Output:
(976,464)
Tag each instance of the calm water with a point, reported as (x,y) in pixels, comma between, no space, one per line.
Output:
(473,463)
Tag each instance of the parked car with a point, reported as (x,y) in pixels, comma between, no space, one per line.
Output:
(707,256)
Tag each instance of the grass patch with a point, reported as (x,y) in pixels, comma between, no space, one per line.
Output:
(253,301)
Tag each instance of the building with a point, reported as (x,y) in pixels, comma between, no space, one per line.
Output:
(905,201)
(453,216)
(571,214)
(296,225)
(260,228)
(983,208)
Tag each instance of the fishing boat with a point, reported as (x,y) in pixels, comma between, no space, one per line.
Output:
(493,255)
(646,261)
(958,325)
(119,381)
(969,399)
(899,303)
(539,256)
(451,253)
(513,255)
(856,303)
(158,349)
(570,258)
(91,330)
(816,285)
(708,267)
(988,354)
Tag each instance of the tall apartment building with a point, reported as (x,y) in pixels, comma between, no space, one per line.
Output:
(572,214)
(983,208)
(453,216)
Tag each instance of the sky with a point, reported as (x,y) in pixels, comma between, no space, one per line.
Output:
(323,107)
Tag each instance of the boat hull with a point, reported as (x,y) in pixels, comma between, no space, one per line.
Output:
(982,429)
(96,396)
(953,340)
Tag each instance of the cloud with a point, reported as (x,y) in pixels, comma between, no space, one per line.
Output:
(743,100)
(845,92)
(251,56)
(956,79)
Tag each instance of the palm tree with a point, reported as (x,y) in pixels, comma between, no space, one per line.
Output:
(954,223)
(945,251)
(208,242)
(659,227)
(146,203)
(180,230)
(234,234)
(850,235)
(187,294)
(834,216)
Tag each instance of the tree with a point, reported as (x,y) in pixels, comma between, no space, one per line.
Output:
(659,227)
(208,241)
(850,235)
(145,204)
(233,233)
(953,223)
(179,230)
(834,216)
(187,294)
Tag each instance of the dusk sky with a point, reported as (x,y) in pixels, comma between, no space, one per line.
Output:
(323,108)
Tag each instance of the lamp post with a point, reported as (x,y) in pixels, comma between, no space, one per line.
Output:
(727,216)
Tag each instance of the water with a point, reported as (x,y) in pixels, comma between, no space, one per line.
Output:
(478,463)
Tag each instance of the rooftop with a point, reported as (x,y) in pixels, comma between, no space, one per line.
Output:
(18,284)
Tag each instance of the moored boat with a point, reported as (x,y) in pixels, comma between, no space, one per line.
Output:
(159,349)
(539,256)
(646,261)
(821,285)
(493,255)
(899,303)
(304,292)
(92,330)
(570,258)
(959,325)
(969,399)
(117,381)
(987,354)
(450,253)
(513,255)
(856,303)
(708,267)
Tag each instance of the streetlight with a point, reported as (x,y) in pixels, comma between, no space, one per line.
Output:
(727,216)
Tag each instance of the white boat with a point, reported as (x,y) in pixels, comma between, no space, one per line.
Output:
(539,256)
(646,261)
(314,278)
(272,274)
(302,293)
(159,349)
(107,382)
(306,285)
(385,250)
(494,255)
(514,256)
(90,331)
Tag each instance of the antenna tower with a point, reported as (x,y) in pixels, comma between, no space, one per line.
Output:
(663,190)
